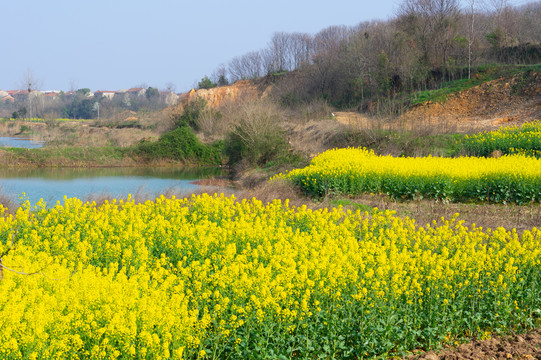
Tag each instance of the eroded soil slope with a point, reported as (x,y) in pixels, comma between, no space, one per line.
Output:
(514,99)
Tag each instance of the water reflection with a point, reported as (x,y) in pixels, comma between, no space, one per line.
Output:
(76,173)
(52,185)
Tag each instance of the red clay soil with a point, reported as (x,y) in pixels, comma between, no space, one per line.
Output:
(487,106)
(523,346)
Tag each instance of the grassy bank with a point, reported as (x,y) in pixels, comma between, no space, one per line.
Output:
(67,156)
(179,146)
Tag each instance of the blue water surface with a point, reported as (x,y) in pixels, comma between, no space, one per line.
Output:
(7,141)
(52,185)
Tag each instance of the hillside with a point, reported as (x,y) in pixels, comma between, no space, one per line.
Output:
(515,99)
(509,99)
(240,91)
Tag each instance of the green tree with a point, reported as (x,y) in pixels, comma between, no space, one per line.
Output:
(84,91)
(222,80)
(152,93)
(205,83)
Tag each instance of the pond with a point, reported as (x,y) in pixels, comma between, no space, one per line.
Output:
(8,141)
(90,184)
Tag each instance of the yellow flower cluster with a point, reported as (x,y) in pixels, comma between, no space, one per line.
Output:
(357,170)
(212,277)
(524,139)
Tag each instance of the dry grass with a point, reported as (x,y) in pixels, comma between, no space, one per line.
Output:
(424,212)
(280,189)
(313,137)
(90,134)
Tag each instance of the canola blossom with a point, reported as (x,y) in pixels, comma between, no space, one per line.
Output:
(354,171)
(212,277)
(524,140)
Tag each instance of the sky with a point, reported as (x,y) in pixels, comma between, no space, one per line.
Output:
(118,44)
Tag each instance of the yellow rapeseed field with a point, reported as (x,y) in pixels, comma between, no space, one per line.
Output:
(524,139)
(513,178)
(212,277)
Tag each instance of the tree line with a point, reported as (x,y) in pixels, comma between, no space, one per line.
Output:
(426,43)
(83,104)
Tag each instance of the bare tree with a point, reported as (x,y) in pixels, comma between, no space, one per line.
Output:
(498,7)
(279,50)
(219,76)
(529,24)
(170,87)
(433,22)
(248,66)
(31,84)
(300,49)
(471,35)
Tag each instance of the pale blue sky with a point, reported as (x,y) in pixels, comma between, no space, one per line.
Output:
(115,44)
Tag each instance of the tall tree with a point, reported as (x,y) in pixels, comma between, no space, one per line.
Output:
(434,24)
(31,84)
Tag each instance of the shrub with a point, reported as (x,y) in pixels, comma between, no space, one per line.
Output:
(256,138)
(190,115)
(211,122)
(182,144)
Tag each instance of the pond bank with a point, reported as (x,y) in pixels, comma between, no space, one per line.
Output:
(55,157)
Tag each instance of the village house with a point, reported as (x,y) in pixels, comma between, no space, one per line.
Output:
(106,94)
(5,97)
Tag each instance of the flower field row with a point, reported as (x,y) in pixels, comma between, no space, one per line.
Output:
(210,277)
(352,171)
(524,139)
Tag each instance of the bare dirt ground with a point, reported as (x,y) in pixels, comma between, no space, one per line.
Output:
(521,346)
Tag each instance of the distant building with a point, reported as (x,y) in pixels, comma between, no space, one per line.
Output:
(169,97)
(106,94)
(5,97)
(18,95)
(51,94)
(136,91)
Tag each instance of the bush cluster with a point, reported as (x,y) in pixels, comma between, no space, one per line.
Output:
(182,144)
(256,138)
